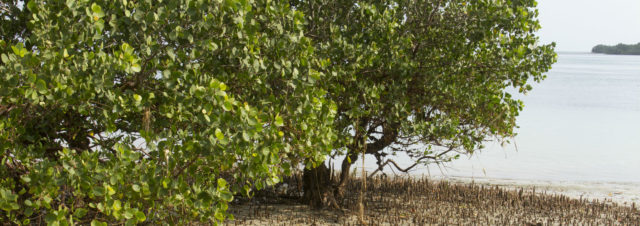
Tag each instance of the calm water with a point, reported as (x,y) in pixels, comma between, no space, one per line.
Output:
(580,126)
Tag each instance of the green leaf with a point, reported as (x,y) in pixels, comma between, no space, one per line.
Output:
(171,54)
(135,187)
(97,11)
(31,77)
(213,46)
(130,222)
(279,122)
(98,191)
(19,50)
(222,183)
(71,3)
(135,68)
(98,223)
(127,49)
(41,85)
(129,213)
(50,218)
(140,216)
(165,182)
(219,134)
(227,105)
(218,215)
(26,178)
(117,205)
(80,212)
(99,25)
(137,98)
(28,211)
(31,5)
(226,196)
(110,190)
(245,136)
(47,199)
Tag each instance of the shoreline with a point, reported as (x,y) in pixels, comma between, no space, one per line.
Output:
(621,193)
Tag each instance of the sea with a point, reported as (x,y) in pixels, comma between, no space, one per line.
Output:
(578,135)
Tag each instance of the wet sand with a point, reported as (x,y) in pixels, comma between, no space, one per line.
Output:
(407,201)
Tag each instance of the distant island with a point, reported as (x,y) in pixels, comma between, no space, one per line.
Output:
(620,49)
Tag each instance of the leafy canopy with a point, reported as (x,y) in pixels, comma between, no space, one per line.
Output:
(429,78)
(152,111)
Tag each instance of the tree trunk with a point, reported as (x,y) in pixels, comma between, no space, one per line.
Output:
(317,187)
(320,190)
(339,188)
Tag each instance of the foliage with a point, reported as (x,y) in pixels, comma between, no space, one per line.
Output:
(161,111)
(152,111)
(429,78)
(620,49)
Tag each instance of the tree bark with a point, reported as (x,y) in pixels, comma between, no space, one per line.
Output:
(317,187)
(320,190)
(339,187)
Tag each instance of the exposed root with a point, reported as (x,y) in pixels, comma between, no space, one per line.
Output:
(403,201)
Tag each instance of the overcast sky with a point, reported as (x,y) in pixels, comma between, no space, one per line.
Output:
(578,25)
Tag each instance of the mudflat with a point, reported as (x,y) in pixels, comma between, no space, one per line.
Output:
(410,201)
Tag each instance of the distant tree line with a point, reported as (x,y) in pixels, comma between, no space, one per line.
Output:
(620,49)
